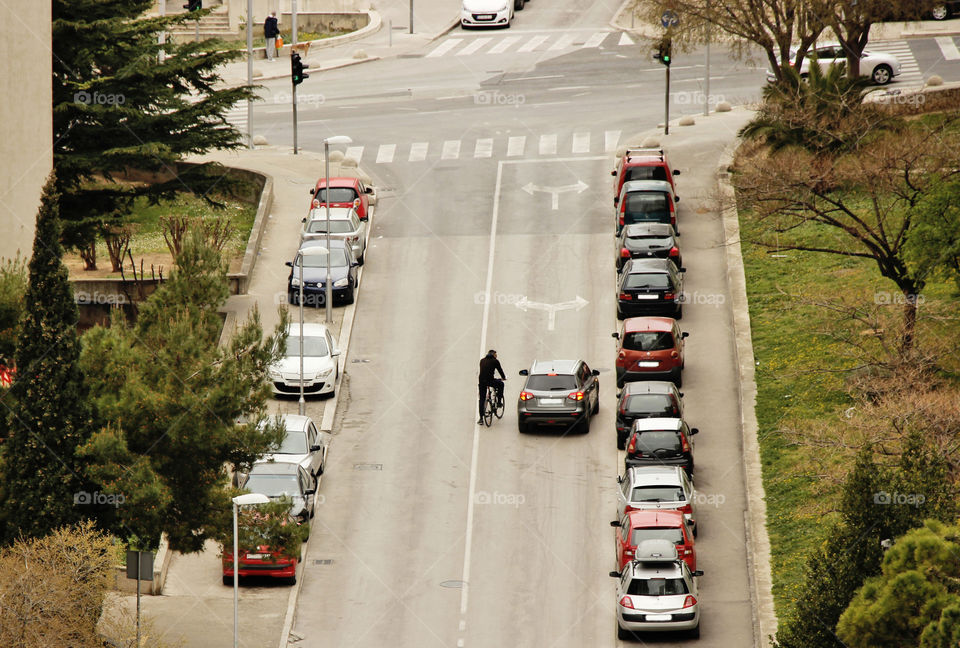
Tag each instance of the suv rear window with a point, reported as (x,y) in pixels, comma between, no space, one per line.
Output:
(337,194)
(651,404)
(654,280)
(657,586)
(544,382)
(645,173)
(650,203)
(664,443)
(648,341)
(673,534)
(319,226)
(656,494)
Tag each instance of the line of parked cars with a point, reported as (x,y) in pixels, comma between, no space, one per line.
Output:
(294,470)
(656,525)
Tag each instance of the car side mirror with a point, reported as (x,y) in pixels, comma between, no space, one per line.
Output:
(619,479)
(312,190)
(310,491)
(699,572)
(683,269)
(614,172)
(615,574)
(290,263)
(595,372)
(316,448)
(335,353)
(694,431)
(615,336)
(676,172)
(368,190)
(681,394)
(354,264)
(615,523)
(684,335)
(524,372)
(676,199)
(303,220)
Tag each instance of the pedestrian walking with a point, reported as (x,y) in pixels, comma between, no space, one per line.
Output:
(270,31)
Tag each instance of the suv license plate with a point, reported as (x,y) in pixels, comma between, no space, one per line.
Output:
(485,17)
(551,401)
(648,364)
(659,617)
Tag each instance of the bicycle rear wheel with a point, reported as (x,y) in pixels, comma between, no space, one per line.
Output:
(488,407)
(498,408)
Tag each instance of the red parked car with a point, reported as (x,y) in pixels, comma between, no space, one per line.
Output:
(637,526)
(650,348)
(259,562)
(642,164)
(344,192)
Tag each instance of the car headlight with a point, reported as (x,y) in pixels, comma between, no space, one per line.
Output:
(294,281)
(324,374)
(275,375)
(503,8)
(341,283)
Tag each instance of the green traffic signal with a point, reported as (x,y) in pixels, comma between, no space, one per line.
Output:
(297,74)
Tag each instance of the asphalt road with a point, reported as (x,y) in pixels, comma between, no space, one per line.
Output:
(434,532)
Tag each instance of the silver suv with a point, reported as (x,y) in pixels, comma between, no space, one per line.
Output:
(657,592)
(558,392)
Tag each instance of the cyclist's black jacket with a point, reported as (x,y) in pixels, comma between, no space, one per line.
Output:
(489,364)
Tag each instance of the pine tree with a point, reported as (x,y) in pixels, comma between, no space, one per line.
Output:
(50,414)
(116,107)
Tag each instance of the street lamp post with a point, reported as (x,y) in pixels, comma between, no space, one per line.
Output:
(327,287)
(238,501)
(307,251)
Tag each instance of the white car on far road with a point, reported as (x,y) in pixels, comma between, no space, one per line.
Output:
(879,66)
(320,370)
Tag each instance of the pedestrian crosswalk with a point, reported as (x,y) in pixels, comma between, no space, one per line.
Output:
(910,73)
(530,42)
(513,146)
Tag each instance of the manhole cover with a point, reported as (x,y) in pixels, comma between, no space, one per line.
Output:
(452,584)
(323,561)
(368,466)
(356,360)
(410,56)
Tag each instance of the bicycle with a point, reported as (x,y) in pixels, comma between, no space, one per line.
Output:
(491,407)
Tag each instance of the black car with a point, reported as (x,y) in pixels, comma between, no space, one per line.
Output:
(646,399)
(650,287)
(647,240)
(277,479)
(343,273)
(660,442)
(558,392)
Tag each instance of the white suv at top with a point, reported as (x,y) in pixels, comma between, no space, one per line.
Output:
(488,13)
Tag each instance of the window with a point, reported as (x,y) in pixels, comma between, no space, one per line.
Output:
(652,405)
(657,494)
(338,259)
(646,173)
(272,485)
(294,443)
(658,443)
(673,534)
(657,587)
(544,382)
(648,341)
(337,195)
(625,486)
(648,205)
(648,280)
(339,226)
(313,346)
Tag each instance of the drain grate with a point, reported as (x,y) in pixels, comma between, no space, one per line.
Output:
(452,584)
(368,466)
(410,56)
(323,561)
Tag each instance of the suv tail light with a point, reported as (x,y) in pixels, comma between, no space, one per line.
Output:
(624,253)
(690,601)
(525,395)
(577,396)
(621,218)
(685,445)
(627,603)
(626,296)
(674,251)
(668,295)
(632,448)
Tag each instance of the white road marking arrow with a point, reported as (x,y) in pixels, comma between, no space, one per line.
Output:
(555,192)
(573,304)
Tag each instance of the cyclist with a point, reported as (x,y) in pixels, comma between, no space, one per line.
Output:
(488,365)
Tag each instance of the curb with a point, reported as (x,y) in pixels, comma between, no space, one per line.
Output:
(758,542)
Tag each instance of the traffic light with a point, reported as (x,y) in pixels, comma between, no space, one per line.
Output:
(296,69)
(663,51)
(193,5)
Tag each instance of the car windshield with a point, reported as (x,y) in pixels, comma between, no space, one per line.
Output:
(319,226)
(645,173)
(657,587)
(555,382)
(657,494)
(647,204)
(660,443)
(314,346)
(651,404)
(273,485)
(337,194)
(648,341)
(294,443)
(673,534)
(338,259)
(653,280)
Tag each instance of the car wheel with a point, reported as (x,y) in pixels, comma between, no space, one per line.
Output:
(518,5)
(596,404)
(350,296)
(679,315)
(695,530)
(622,634)
(522,427)
(621,442)
(228,580)
(292,296)
(695,633)
(620,314)
(939,12)
(882,74)
(361,259)
(292,580)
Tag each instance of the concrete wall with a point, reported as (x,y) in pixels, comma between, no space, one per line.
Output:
(26,133)
(237,10)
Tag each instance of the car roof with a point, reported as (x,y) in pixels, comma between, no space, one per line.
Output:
(541,367)
(647,185)
(295,422)
(262,467)
(637,324)
(666,475)
(340,181)
(644,570)
(638,229)
(309,328)
(655,517)
(659,423)
(649,387)
(336,213)
(648,265)
(321,242)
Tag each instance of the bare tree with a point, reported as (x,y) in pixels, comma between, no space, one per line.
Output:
(117,238)
(174,228)
(216,231)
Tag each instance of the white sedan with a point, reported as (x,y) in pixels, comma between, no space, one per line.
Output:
(879,66)
(320,370)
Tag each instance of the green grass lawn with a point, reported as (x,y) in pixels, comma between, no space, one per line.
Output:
(801,383)
(303,36)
